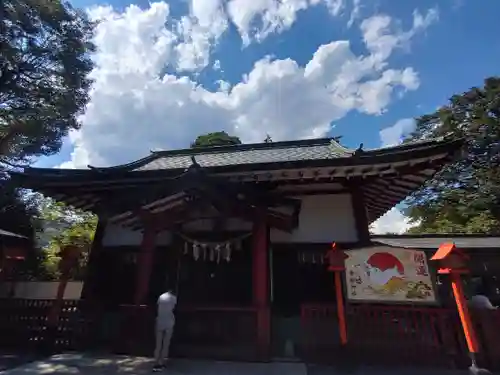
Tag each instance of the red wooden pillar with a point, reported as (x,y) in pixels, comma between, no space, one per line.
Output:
(145,264)
(336,260)
(260,269)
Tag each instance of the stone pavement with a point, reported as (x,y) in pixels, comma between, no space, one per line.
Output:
(12,359)
(80,364)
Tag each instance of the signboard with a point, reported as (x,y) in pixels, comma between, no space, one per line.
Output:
(386,274)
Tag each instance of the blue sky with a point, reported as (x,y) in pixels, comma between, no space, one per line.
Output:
(169,71)
(455,52)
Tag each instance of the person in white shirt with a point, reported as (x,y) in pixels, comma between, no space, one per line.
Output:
(480,300)
(165,321)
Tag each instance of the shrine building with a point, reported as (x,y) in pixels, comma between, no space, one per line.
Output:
(239,233)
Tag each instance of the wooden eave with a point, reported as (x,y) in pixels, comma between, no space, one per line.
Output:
(384,157)
(385,178)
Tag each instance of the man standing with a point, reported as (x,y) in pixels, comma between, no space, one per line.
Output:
(165,321)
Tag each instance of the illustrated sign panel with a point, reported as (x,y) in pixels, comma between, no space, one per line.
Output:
(386,274)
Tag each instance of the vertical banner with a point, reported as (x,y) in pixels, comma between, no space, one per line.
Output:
(386,274)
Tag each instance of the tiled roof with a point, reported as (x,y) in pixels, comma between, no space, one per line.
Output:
(4,233)
(258,154)
(433,241)
(217,157)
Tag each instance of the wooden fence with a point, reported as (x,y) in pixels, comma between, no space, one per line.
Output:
(398,335)
(202,332)
(376,334)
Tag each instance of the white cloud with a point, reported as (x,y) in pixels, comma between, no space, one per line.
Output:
(355,12)
(199,32)
(257,19)
(393,135)
(135,107)
(393,222)
(381,39)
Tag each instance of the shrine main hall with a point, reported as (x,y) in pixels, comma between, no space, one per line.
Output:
(240,233)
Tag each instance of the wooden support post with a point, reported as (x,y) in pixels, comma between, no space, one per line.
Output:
(55,310)
(360,215)
(453,262)
(260,270)
(145,264)
(336,264)
(463,312)
(69,257)
(340,308)
(92,283)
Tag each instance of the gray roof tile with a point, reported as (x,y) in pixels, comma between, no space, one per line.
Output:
(433,242)
(215,158)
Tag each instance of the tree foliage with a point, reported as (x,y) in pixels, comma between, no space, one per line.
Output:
(44,66)
(465,196)
(215,139)
(64,226)
(19,214)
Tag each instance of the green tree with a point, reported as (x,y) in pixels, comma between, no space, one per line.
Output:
(215,139)
(44,66)
(465,196)
(44,83)
(18,214)
(64,226)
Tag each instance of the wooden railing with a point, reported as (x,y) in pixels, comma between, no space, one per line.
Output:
(376,334)
(210,332)
(404,335)
(200,332)
(398,335)
(487,324)
(216,332)
(24,325)
(320,334)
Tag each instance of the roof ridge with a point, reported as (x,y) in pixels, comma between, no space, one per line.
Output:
(225,148)
(251,146)
(332,143)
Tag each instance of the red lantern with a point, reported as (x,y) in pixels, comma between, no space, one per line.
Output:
(336,258)
(451,259)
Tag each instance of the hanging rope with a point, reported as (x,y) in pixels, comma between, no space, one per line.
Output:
(210,250)
(211,243)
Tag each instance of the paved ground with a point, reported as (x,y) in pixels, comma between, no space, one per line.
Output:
(79,364)
(10,359)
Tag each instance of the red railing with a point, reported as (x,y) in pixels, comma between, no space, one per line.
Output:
(210,332)
(404,335)
(487,324)
(398,335)
(216,332)
(320,334)
(376,334)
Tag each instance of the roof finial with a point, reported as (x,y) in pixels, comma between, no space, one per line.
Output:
(194,163)
(359,150)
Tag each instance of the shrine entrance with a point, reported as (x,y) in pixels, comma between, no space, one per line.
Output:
(299,278)
(214,270)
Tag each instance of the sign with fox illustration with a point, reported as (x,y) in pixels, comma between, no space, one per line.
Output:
(386,274)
